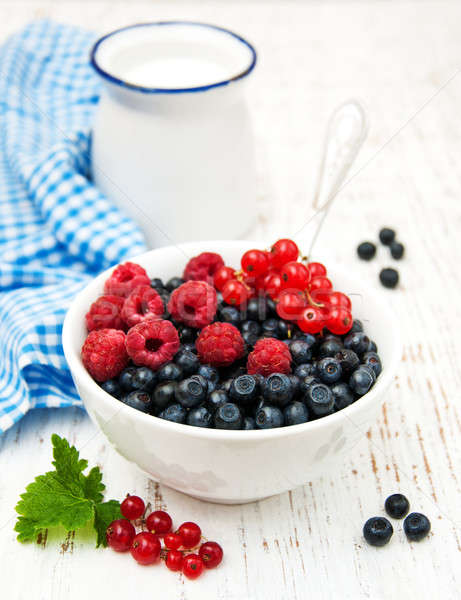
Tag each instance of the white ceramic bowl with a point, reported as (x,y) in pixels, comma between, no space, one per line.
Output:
(231,466)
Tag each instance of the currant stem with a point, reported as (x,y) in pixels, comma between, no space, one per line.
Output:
(312,302)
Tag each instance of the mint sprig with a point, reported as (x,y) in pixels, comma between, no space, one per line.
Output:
(65,497)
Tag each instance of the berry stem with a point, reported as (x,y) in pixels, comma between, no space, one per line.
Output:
(313,302)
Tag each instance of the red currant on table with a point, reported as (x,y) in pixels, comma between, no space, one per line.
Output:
(290,304)
(192,566)
(273,285)
(320,283)
(174,560)
(316,269)
(235,293)
(120,535)
(222,276)
(132,507)
(294,276)
(145,548)
(190,534)
(159,522)
(172,541)
(255,262)
(339,320)
(312,320)
(211,553)
(282,252)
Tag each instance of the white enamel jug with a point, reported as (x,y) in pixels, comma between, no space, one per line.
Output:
(172,141)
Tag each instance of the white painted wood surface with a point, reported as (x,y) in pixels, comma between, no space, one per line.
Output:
(396,57)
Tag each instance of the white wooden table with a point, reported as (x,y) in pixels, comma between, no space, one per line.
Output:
(397,57)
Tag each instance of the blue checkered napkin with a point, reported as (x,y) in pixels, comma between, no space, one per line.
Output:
(56,229)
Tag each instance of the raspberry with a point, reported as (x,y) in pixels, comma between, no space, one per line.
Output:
(203,267)
(105,313)
(269,356)
(193,303)
(152,343)
(220,344)
(143,303)
(103,353)
(125,278)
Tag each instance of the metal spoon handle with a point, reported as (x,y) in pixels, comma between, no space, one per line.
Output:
(346,132)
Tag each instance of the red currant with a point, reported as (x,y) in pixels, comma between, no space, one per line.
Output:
(339,320)
(235,293)
(145,548)
(190,534)
(290,304)
(294,276)
(192,566)
(332,298)
(222,276)
(174,560)
(255,262)
(132,507)
(273,285)
(320,283)
(172,541)
(282,252)
(120,535)
(159,522)
(316,269)
(311,320)
(211,553)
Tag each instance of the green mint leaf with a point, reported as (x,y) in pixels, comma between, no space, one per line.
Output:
(105,513)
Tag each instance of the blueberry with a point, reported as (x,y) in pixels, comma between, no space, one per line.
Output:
(173,283)
(329,370)
(348,360)
(300,352)
(308,338)
(144,379)
(386,236)
(330,347)
(257,309)
(366,250)
(306,383)
(188,361)
(397,250)
(187,335)
(269,328)
(268,417)
(278,389)
(361,380)
(358,342)
(295,383)
(229,314)
(216,399)
(260,379)
(189,348)
(164,394)
(175,413)
(295,413)
(416,526)
(250,327)
(271,307)
(228,416)
(357,325)
(372,347)
(249,423)
(304,370)
(125,379)
(285,329)
(209,372)
(199,417)
(372,360)
(169,372)
(250,338)
(397,506)
(139,399)
(191,392)
(377,531)
(112,387)
(226,385)
(319,399)
(343,395)
(244,389)
(157,284)
(389,278)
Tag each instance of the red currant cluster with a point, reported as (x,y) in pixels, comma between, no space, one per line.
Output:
(182,550)
(302,291)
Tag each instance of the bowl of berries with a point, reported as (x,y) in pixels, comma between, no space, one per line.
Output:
(227,372)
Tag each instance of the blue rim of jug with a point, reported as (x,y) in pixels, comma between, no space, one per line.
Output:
(149,90)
